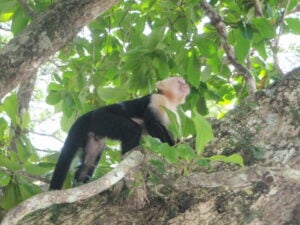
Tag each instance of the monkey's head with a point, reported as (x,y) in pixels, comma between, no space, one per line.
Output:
(174,88)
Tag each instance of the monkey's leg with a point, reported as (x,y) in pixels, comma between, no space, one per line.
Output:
(92,154)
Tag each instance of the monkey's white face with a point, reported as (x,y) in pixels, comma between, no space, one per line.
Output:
(174,88)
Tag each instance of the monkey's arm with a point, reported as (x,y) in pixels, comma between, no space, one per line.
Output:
(156,129)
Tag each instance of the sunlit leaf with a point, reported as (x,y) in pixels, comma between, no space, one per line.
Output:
(4,17)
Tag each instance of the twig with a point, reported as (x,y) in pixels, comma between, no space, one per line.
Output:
(217,22)
(257,7)
(47,135)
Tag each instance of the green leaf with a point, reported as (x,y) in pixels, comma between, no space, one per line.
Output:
(242,48)
(19,21)
(10,164)
(174,126)
(206,74)
(25,120)
(264,27)
(54,86)
(185,152)
(293,25)
(204,132)
(207,47)
(10,106)
(186,124)
(261,48)
(110,94)
(67,122)
(154,145)
(234,158)
(4,17)
(22,151)
(203,162)
(39,168)
(169,153)
(11,196)
(154,38)
(292,4)
(159,165)
(53,98)
(193,70)
(160,62)
(7,6)
(3,126)
(4,179)
(246,30)
(26,188)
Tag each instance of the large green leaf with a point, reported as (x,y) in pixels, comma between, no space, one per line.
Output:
(26,188)
(19,21)
(242,48)
(203,130)
(264,27)
(293,25)
(193,70)
(10,106)
(11,196)
(4,179)
(206,47)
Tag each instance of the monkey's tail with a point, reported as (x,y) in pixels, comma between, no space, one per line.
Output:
(76,138)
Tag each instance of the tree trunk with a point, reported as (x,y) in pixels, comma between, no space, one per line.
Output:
(45,35)
(265,131)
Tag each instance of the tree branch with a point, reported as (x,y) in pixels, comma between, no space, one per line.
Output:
(30,12)
(46,34)
(82,192)
(257,7)
(237,179)
(217,22)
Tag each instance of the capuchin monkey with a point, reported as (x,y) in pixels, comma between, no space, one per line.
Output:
(123,121)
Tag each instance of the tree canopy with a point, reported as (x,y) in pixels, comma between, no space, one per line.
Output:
(102,52)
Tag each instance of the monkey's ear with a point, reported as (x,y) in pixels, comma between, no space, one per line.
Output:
(159,85)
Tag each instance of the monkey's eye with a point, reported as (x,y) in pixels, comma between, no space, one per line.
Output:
(180,81)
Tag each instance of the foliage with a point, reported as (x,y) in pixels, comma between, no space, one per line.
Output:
(22,163)
(123,53)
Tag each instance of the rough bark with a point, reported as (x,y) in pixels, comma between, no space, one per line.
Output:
(45,35)
(266,191)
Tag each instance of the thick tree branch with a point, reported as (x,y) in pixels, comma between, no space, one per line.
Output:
(45,35)
(44,200)
(237,179)
(217,22)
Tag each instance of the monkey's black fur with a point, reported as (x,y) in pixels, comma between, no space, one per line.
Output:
(114,122)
